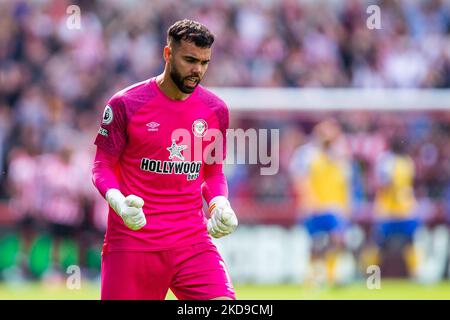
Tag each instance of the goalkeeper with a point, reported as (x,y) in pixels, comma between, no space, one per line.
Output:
(149,166)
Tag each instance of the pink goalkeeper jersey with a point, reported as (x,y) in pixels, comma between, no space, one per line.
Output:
(160,143)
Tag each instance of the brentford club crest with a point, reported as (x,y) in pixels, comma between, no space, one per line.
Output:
(199,128)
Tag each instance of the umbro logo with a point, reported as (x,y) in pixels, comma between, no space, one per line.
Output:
(152,126)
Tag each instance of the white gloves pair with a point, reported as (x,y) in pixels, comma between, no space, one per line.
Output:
(223,220)
(129,208)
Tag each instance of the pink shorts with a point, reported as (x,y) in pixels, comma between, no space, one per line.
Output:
(195,272)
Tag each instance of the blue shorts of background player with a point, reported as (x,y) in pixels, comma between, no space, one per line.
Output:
(405,228)
(325,222)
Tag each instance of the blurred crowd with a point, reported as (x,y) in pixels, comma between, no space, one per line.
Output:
(367,135)
(54,82)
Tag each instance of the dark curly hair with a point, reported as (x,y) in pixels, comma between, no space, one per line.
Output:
(190,31)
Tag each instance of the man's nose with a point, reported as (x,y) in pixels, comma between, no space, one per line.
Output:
(196,70)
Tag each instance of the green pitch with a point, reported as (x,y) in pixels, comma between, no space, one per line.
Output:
(390,289)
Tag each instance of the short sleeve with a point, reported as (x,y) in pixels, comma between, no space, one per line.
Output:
(112,135)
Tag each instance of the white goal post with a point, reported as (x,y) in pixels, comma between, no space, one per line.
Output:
(332,99)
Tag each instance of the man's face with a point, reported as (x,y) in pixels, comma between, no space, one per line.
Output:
(327,133)
(187,65)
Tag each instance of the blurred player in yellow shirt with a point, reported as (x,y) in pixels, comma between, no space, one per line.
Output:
(321,171)
(395,203)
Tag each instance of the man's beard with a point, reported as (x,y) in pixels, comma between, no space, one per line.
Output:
(179,80)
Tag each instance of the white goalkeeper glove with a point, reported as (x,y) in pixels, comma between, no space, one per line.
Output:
(223,220)
(129,208)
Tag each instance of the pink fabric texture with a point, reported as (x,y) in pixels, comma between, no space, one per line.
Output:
(194,272)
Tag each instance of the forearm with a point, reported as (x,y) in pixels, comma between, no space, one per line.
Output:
(103,175)
(215,183)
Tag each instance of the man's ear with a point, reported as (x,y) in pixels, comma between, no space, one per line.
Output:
(166,53)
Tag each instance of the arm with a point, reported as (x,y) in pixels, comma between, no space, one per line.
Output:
(110,143)
(383,170)
(299,168)
(223,220)
(103,176)
(128,208)
(215,183)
